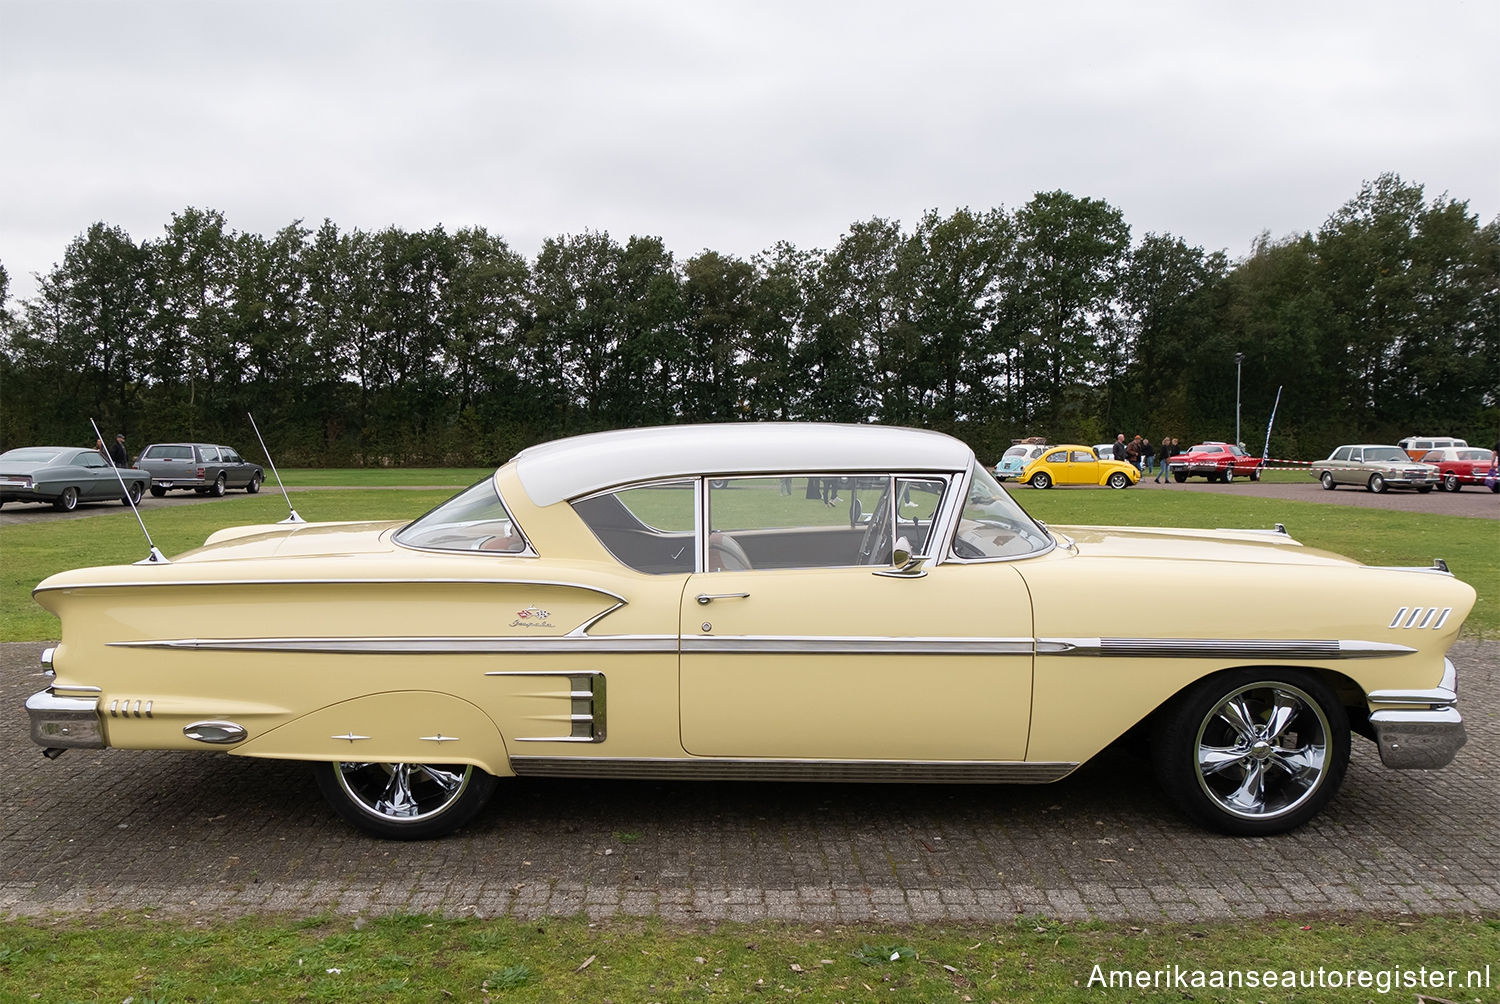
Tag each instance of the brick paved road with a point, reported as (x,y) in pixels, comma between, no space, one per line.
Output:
(214,835)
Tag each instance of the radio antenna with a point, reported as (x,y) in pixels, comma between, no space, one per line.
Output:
(155,557)
(293,518)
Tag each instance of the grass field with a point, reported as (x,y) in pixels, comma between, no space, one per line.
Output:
(430,958)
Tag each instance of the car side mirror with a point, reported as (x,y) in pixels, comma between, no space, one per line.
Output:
(908,565)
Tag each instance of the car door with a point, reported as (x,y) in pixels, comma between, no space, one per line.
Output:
(236,471)
(96,478)
(1082,468)
(844,660)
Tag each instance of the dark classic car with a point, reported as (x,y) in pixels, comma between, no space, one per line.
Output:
(1215,461)
(206,468)
(66,476)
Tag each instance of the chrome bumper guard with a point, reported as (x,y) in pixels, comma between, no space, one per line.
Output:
(59,723)
(1425,737)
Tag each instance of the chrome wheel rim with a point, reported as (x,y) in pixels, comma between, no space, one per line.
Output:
(404,792)
(1263,750)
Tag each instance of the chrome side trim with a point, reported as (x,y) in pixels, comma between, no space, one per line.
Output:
(758,769)
(800,644)
(1442,696)
(1420,618)
(552,644)
(203,583)
(1221,648)
(586,706)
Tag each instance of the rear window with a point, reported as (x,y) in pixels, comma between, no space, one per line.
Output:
(473,520)
(168,453)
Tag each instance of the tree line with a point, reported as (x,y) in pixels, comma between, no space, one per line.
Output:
(431,347)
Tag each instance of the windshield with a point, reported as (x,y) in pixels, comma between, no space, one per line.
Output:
(1391,453)
(993,525)
(473,520)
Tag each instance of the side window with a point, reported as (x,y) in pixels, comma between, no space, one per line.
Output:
(1084,457)
(90,458)
(228,456)
(208,455)
(1342,453)
(645,527)
(1060,457)
(806,521)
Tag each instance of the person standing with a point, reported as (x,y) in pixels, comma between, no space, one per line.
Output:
(1148,453)
(1164,472)
(1133,453)
(117,455)
(1120,446)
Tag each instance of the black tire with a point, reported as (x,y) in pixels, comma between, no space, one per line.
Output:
(67,501)
(1252,752)
(1255,474)
(1376,484)
(1041,479)
(1228,475)
(1328,483)
(157,491)
(1451,483)
(1181,479)
(1423,489)
(254,485)
(220,486)
(430,800)
(133,493)
(1119,479)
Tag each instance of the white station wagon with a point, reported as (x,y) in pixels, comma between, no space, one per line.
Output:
(784,601)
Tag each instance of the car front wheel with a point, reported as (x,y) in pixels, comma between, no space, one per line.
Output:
(67,501)
(1228,475)
(1119,479)
(405,801)
(1253,752)
(254,485)
(1328,483)
(157,491)
(1041,480)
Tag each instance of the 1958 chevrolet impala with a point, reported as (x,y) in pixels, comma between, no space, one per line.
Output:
(785,601)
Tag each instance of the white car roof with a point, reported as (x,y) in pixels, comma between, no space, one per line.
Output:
(581,465)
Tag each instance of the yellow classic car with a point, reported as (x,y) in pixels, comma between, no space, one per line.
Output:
(1077,465)
(764,601)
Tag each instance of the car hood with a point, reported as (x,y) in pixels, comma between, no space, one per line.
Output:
(1256,546)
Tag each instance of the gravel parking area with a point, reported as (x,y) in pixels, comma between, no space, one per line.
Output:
(217,836)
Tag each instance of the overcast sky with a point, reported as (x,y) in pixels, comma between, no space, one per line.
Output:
(730,125)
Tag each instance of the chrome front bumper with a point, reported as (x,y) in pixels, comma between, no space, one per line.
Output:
(59,723)
(1425,735)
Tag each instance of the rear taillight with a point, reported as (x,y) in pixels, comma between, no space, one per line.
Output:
(202,471)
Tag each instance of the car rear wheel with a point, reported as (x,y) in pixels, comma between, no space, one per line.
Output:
(67,501)
(1119,479)
(1328,483)
(1255,474)
(1450,483)
(1253,752)
(1377,484)
(220,485)
(157,491)
(254,485)
(133,493)
(405,801)
(1041,479)
(1228,475)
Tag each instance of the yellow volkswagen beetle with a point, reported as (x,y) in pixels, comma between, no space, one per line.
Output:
(1077,465)
(783,601)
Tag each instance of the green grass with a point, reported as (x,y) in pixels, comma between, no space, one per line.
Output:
(31,551)
(430,958)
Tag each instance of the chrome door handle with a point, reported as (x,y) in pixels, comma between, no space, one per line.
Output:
(704,599)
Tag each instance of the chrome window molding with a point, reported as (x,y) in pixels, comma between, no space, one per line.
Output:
(798,644)
(767,769)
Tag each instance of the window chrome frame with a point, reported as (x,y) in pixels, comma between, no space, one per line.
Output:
(955,514)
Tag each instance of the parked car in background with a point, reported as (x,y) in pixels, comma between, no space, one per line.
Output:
(1105,451)
(1077,465)
(1215,461)
(65,476)
(599,607)
(1016,458)
(206,468)
(1374,467)
(1417,447)
(1459,466)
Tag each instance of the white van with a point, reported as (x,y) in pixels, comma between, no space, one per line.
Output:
(1416,447)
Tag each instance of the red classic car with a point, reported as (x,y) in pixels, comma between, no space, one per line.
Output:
(1216,462)
(1459,466)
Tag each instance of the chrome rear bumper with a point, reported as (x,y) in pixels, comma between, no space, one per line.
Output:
(59,723)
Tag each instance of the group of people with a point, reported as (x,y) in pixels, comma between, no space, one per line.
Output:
(115,454)
(1141,455)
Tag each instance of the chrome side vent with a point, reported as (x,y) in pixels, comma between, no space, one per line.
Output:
(129,709)
(1420,618)
(586,706)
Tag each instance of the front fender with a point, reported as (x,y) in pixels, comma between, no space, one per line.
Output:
(401,726)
